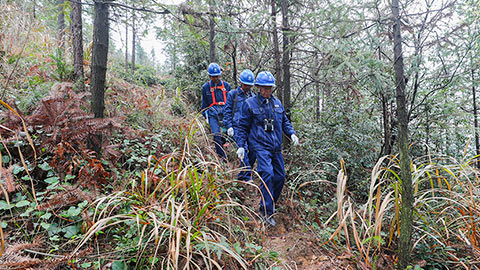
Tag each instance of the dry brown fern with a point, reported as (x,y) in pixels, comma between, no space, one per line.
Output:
(13,258)
(67,197)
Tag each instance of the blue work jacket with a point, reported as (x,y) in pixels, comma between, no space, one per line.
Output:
(231,119)
(207,99)
(251,124)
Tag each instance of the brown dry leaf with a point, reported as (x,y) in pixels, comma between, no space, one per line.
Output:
(7,178)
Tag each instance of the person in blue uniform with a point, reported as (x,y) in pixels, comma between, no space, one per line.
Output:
(261,124)
(214,97)
(235,100)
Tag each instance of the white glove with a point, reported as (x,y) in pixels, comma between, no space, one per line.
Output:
(241,153)
(294,139)
(230,132)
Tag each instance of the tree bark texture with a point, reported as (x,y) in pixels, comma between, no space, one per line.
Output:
(76,17)
(234,63)
(126,46)
(99,64)
(212,56)
(60,24)
(276,51)
(134,40)
(387,146)
(406,226)
(475,115)
(286,58)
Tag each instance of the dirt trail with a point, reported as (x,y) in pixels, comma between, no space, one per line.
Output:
(297,247)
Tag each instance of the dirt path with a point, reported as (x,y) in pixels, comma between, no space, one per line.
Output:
(296,245)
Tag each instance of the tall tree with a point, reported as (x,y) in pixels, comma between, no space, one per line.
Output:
(76,17)
(126,45)
(286,57)
(406,228)
(475,114)
(211,20)
(276,50)
(134,41)
(61,23)
(99,64)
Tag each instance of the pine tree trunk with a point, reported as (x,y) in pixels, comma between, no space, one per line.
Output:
(60,24)
(213,57)
(276,51)
(286,58)
(475,115)
(234,63)
(134,37)
(387,147)
(99,65)
(126,46)
(76,17)
(406,226)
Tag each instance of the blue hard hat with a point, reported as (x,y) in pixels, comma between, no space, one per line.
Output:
(214,70)
(247,77)
(265,78)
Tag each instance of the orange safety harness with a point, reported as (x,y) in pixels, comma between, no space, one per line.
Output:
(212,90)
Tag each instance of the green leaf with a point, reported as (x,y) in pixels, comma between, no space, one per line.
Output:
(52,180)
(5,206)
(86,265)
(22,203)
(70,231)
(3,224)
(69,177)
(6,159)
(46,215)
(73,211)
(118,265)
(17,169)
(44,166)
(27,212)
(45,225)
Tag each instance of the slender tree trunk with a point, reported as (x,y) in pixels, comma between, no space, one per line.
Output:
(276,51)
(406,226)
(234,62)
(99,65)
(286,57)
(61,24)
(427,128)
(174,54)
(134,41)
(475,115)
(34,12)
(386,127)
(126,45)
(76,17)
(315,71)
(213,57)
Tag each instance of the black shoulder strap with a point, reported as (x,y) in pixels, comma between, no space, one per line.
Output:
(234,102)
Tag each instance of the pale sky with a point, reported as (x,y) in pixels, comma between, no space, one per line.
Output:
(148,42)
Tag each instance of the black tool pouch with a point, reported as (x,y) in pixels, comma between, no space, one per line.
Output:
(268,125)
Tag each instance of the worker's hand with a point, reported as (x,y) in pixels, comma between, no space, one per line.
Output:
(230,132)
(294,139)
(241,153)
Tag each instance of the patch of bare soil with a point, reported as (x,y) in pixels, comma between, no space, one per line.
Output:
(297,247)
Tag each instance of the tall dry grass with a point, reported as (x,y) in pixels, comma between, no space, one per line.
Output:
(446,211)
(183,215)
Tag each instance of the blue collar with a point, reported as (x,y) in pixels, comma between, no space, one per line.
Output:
(263,100)
(240,91)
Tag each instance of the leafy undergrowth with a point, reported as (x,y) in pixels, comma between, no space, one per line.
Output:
(160,197)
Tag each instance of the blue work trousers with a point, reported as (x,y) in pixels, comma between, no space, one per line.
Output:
(218,140)
(270,166)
